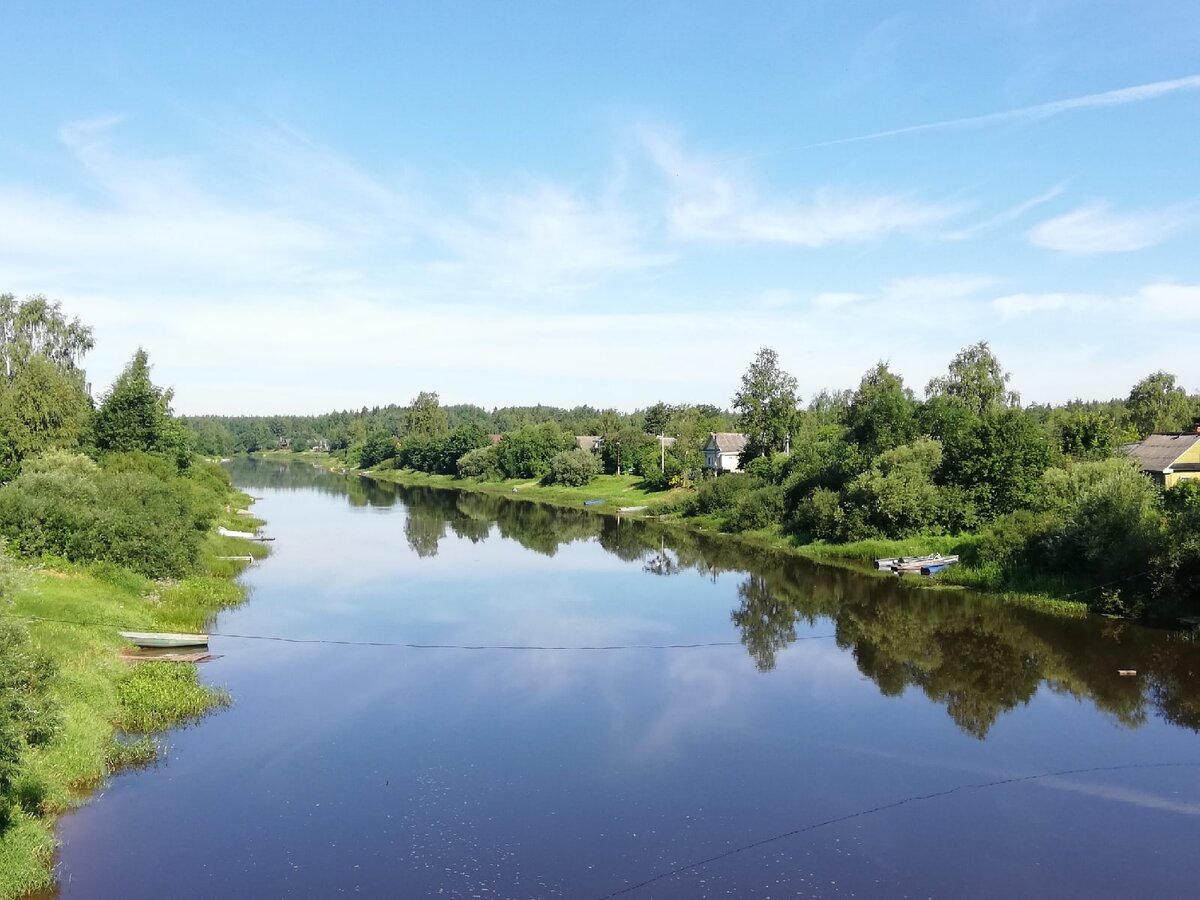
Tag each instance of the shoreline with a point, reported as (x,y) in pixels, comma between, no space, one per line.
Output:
(857,557)
(113,711)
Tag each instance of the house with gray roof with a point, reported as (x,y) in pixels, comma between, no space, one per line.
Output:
(591,442)
(1169,458)
(723,452)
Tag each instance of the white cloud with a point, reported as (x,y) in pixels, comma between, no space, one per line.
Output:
(1008,215)
(1098,229)
(714,201)
(1161,301)
(290,211)
(1013,305)
(542,238)
(1173,302)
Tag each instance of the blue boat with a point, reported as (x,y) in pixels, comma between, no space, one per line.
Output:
(944,563)
(592,502)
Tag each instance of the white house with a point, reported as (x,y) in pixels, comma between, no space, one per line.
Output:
(723,452)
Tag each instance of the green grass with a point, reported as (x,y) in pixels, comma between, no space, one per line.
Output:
(122,754)
(26,856)
(884,549)
(97,692)
(615,490)
(155,696)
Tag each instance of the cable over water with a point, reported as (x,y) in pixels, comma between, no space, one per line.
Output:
(411,645)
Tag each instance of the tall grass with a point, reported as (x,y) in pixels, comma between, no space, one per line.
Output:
(155,696)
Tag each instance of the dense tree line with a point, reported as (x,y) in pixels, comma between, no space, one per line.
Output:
(1050,501)
(348,432)
(1044,492)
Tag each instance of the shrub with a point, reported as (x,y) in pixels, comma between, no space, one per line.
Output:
(758,508)
(128,517)
(526,453)
(574,468)
(27,718)
(480,463)
(378,447)
(718,494)
(1012,539)
(897,497)
(819,515)
(666,471)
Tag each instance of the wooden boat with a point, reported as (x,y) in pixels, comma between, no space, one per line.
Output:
(893,562)
(914,563)
(944,563)
(165,639)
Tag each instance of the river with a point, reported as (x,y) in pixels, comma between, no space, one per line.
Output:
(702,721)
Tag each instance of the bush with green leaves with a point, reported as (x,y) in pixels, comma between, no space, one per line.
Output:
(526,453)
(755,509)
(121,512)
(27,718)
(1095,523)
(896,497)
(819,516)
(573,468)
(1177,563)
(480,463)
(716,495)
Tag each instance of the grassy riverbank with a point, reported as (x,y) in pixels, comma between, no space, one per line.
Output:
(107,708)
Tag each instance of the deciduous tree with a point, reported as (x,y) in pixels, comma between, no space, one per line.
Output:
(977,380)
(766,404)
(1157,403)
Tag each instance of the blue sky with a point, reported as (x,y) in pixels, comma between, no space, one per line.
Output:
(298,207)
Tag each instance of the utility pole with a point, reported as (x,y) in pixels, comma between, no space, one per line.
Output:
(662,453)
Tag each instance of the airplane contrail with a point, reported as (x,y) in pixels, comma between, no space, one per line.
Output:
(1118,97)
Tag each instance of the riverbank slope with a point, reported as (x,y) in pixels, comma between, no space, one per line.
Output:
(107,709)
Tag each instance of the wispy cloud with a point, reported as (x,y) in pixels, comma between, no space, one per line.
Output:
(1173,302)
(1009,215)
(543,238)
(1016,305)
(1159,301)
(716,201)
(145,214)
(263,202)
(1097,228)
(1119,97)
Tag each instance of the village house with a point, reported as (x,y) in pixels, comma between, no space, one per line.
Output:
(723,452)
(590,442)
(1169,458)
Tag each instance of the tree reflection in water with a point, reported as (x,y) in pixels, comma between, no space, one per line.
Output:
(977,656)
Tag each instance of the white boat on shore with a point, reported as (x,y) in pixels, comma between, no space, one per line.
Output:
(160,639)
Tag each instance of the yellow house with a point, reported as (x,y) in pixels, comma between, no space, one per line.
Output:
(1169,458)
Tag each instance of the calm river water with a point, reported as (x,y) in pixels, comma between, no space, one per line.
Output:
(822,734)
